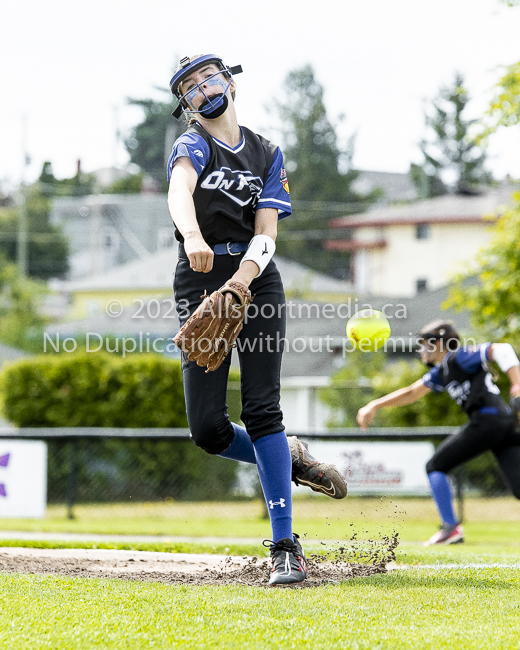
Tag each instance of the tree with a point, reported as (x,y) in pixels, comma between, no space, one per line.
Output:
(47,247)
(452,161)
(78,185)
(352,387)
(147,142)
(321,173)
(20,323)
(505,106)
(130,184)
(488,289)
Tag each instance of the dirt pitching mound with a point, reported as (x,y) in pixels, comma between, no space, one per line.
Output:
(330,567)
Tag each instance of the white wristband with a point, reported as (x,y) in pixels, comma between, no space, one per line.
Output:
(505,356)
(260,251)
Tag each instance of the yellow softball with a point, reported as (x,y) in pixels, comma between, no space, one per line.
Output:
(368,330)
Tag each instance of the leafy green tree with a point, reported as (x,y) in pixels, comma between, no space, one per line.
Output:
(147,141)
(352,387)
(130,184)
(453,162)
(505,105)
(20,322)
(100,390)
(47,247)
(320,173)
(367,376)
(488,289)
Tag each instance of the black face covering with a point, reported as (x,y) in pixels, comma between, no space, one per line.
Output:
(217,112)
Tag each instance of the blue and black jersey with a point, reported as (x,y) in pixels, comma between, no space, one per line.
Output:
(233,182)
(465,376)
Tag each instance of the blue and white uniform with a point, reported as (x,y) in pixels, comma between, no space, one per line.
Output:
(233,182)
(465,376)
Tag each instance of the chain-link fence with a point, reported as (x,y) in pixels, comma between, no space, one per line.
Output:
(99,465)
(87,465)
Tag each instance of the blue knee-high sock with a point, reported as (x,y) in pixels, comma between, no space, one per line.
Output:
(241,448)
(273,459)
(441,492)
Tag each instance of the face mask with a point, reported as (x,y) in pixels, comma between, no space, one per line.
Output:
(214,107)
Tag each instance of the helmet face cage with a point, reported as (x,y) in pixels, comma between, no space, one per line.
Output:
(190,66)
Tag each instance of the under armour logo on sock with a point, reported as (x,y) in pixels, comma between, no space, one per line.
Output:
(265,251)
(280,503)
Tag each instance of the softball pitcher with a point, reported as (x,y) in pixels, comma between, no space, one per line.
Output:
(227,190)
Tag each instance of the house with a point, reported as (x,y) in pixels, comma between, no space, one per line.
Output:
(404,250)
(107,230)
(315,346)
(395,187)
(152,278)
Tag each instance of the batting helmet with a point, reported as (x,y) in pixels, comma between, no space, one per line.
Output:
(210,108)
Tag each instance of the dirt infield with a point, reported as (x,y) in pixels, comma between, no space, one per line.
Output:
(184,569)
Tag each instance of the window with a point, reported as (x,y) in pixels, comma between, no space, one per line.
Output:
(421,285)
(422,231)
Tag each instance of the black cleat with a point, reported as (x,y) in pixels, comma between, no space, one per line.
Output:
(320,477)
(288,561)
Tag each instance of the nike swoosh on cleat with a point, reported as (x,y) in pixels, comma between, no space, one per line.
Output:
(319,487)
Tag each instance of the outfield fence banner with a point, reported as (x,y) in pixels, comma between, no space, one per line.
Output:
(23,478)
(107,465)
(379,467)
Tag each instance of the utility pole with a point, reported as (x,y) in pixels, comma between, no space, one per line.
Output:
(21,250)
(117,138)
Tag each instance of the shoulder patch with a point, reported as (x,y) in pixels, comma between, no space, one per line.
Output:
(283,180)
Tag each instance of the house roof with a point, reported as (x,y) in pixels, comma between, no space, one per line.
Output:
(396,186)
(153,272)
(315,332)
(156,272)
(442,209)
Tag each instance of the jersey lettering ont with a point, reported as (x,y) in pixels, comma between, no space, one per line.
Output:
(459,392)
(239,185)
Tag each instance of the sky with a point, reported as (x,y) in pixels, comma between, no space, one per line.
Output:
(67,69)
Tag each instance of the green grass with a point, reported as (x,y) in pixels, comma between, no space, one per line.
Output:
(157,547)
(415,608)
(423,605)
(487,521)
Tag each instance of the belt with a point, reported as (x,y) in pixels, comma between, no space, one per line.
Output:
(233,248)
(493,410)
(488,410)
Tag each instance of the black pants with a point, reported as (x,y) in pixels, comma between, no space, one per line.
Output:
(259,346)
(482,433)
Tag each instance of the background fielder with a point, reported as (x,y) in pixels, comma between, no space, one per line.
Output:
(464,373)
